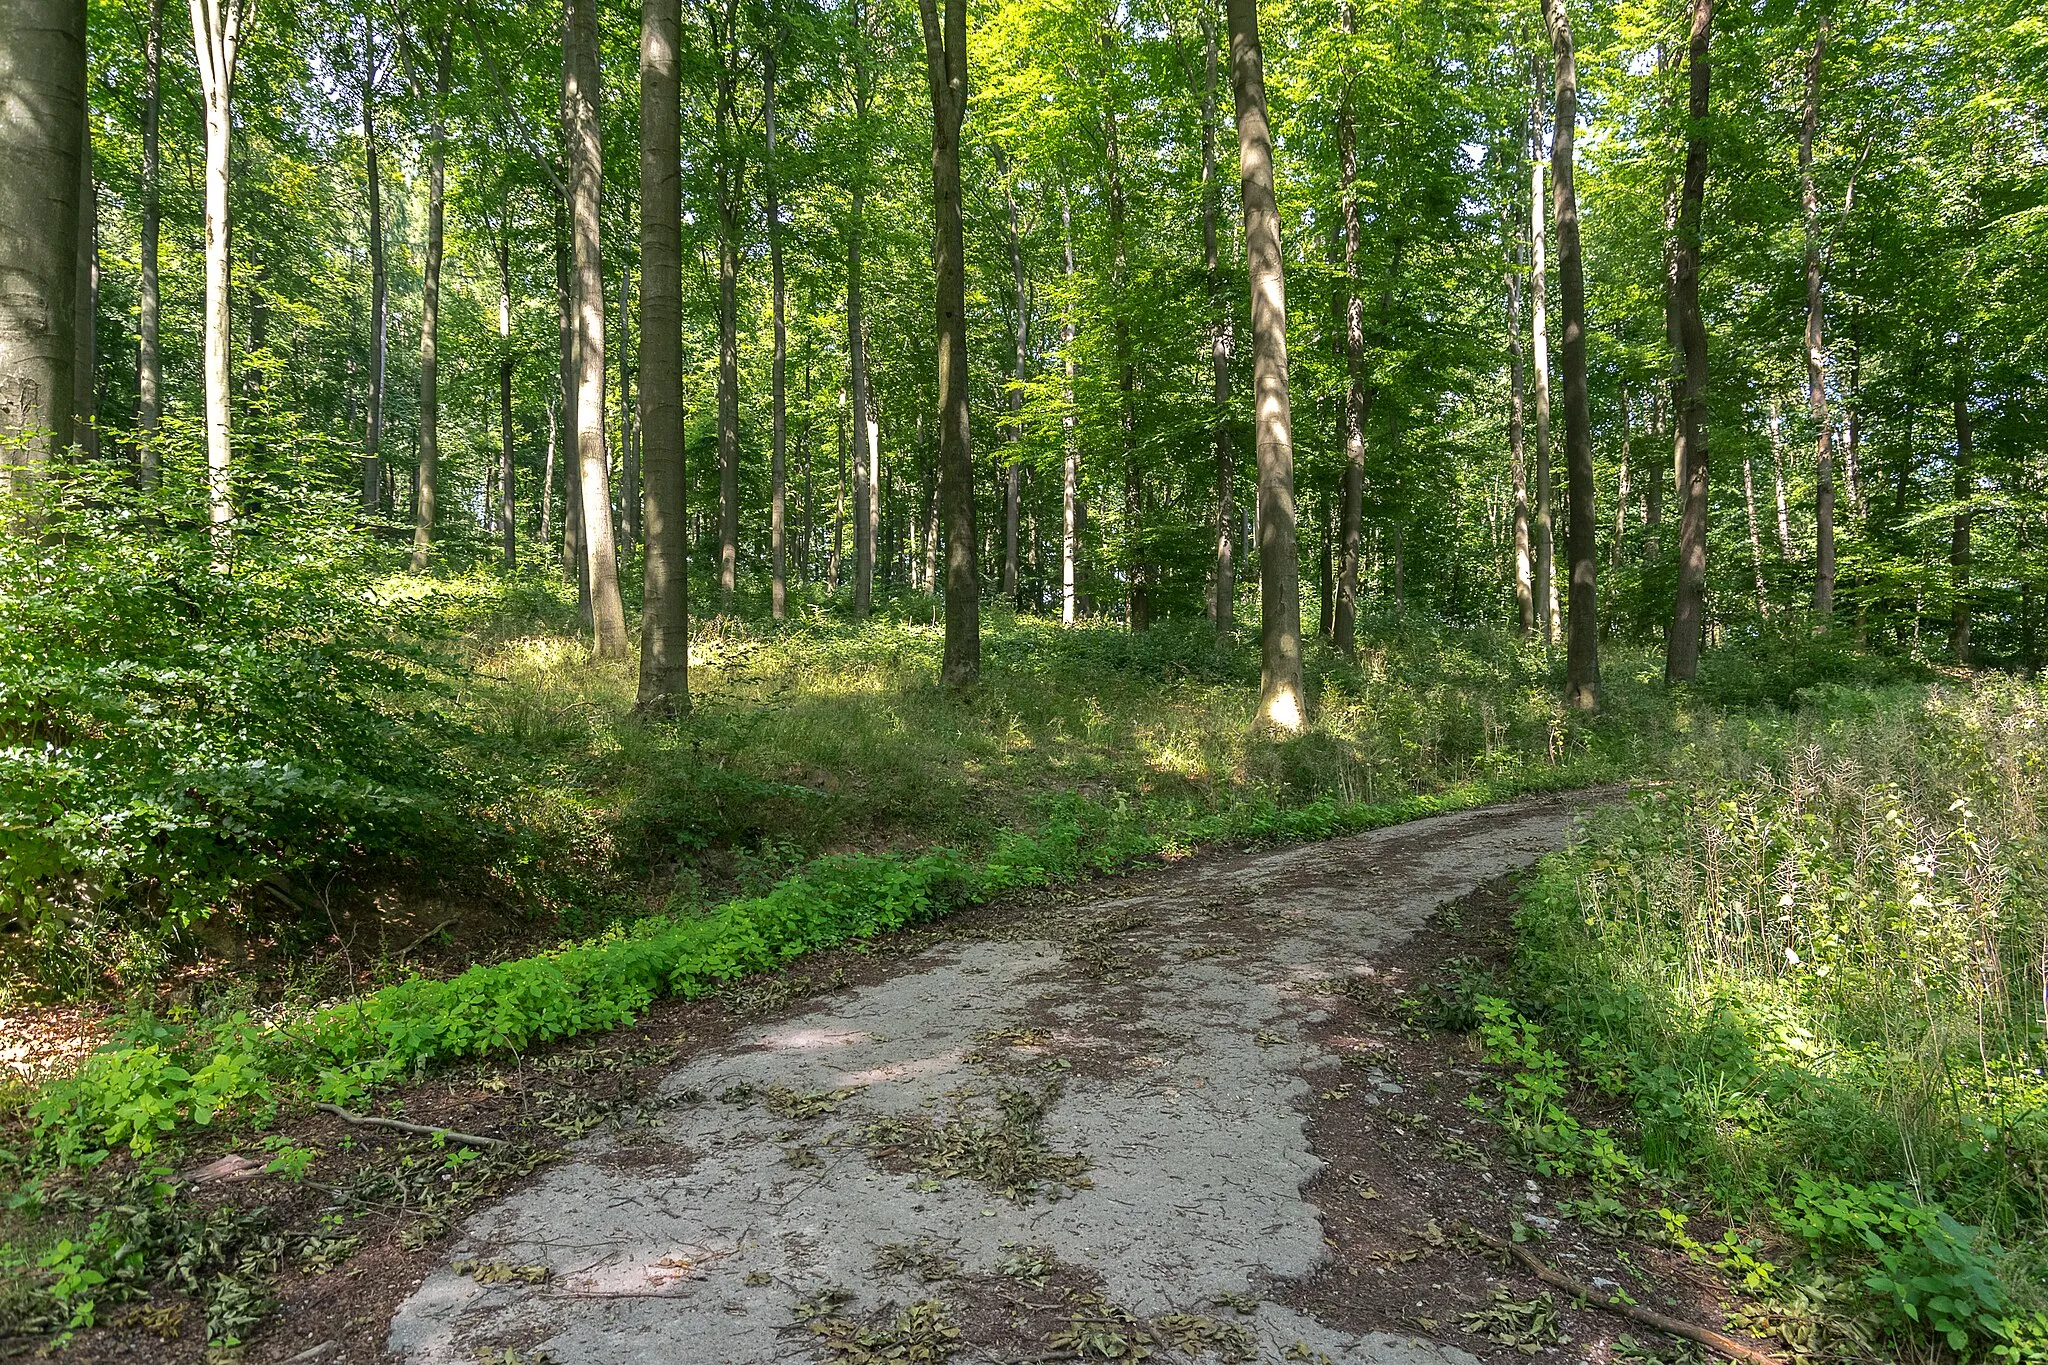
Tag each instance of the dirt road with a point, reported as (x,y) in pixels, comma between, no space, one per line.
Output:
(1080,1135)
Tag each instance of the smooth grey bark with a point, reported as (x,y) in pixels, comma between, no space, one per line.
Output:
(42,120)
(424,511)
(778,467)
(1623,490)
(665,613)
(1013,475)
(1225,606)
(1072,510)
(380,288)
(1816,351)
(1682,645)
(1582,642)
(1351,519)
(149,355)
(1518,468)
(586,172)
(1280,696)
(730,173)
(945,48)
(628,493)
(85,312)
(1962,490)
(1756,543)
(217,42)
(1539,305)
(508,502)
(1138,602)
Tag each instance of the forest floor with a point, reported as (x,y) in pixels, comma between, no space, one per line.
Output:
(1200,1109)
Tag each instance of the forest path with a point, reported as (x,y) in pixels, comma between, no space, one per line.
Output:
(1093,1121)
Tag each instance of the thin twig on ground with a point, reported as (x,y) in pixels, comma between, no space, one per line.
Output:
(1719,1342)
(422,1129)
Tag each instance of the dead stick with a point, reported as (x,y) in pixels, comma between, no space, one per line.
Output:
(424,1130)
(1648,1317)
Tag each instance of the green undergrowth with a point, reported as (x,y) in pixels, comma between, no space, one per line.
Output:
(1813,971)
(160,1080)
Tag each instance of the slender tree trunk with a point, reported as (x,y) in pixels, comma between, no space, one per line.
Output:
(1623,489)
(807,451)
(1013,475)
(1138,606)
(1344,624)
(1525,584)
(43,99)
(1219,341)
(149,355)
(1539,299)
(1582,648)
(945,51)
(865,438)
(430,316)
(1816,352)
(729,172)
(665,614)
(573,561)
(838,508)
(547,476)
(1682,645)
(217,39)
(1756,544)
(85,313)
(586,165)
(508,502)
(778,475)
(1777,422)
(629,435)
(1280,696)
(1963,490)
(1072,509)
(380,309)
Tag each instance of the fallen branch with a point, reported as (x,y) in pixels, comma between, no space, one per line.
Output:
(1718,1342)
(423,1130)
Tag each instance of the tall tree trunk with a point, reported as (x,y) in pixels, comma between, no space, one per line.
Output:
(629,435)
(1777,427)
(1219,341)
(149,354)
(665,614)
(1518,468)
(725,37)
(380,309)
(1072,508)
(778,476)
(1682,645)
(508,502)
(1280,696)
(808,453)
(586,166)
(1013,475)
(86,311)
(217,41)
(42,119)
(547,475)
(1539,300)
(1582,647)
(1623,489)
(1138,608)
(1963,490)
(1756,544)
(945,50)
(1816,353)
(1344,624)
(838,507)
(430,315)
(865,437)
(573,561)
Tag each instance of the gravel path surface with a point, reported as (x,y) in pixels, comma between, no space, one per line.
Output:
(1088,1125)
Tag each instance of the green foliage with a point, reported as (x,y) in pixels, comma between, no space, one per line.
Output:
(179,736)
(1814,972)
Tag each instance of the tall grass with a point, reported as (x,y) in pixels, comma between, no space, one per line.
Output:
(1827,953)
